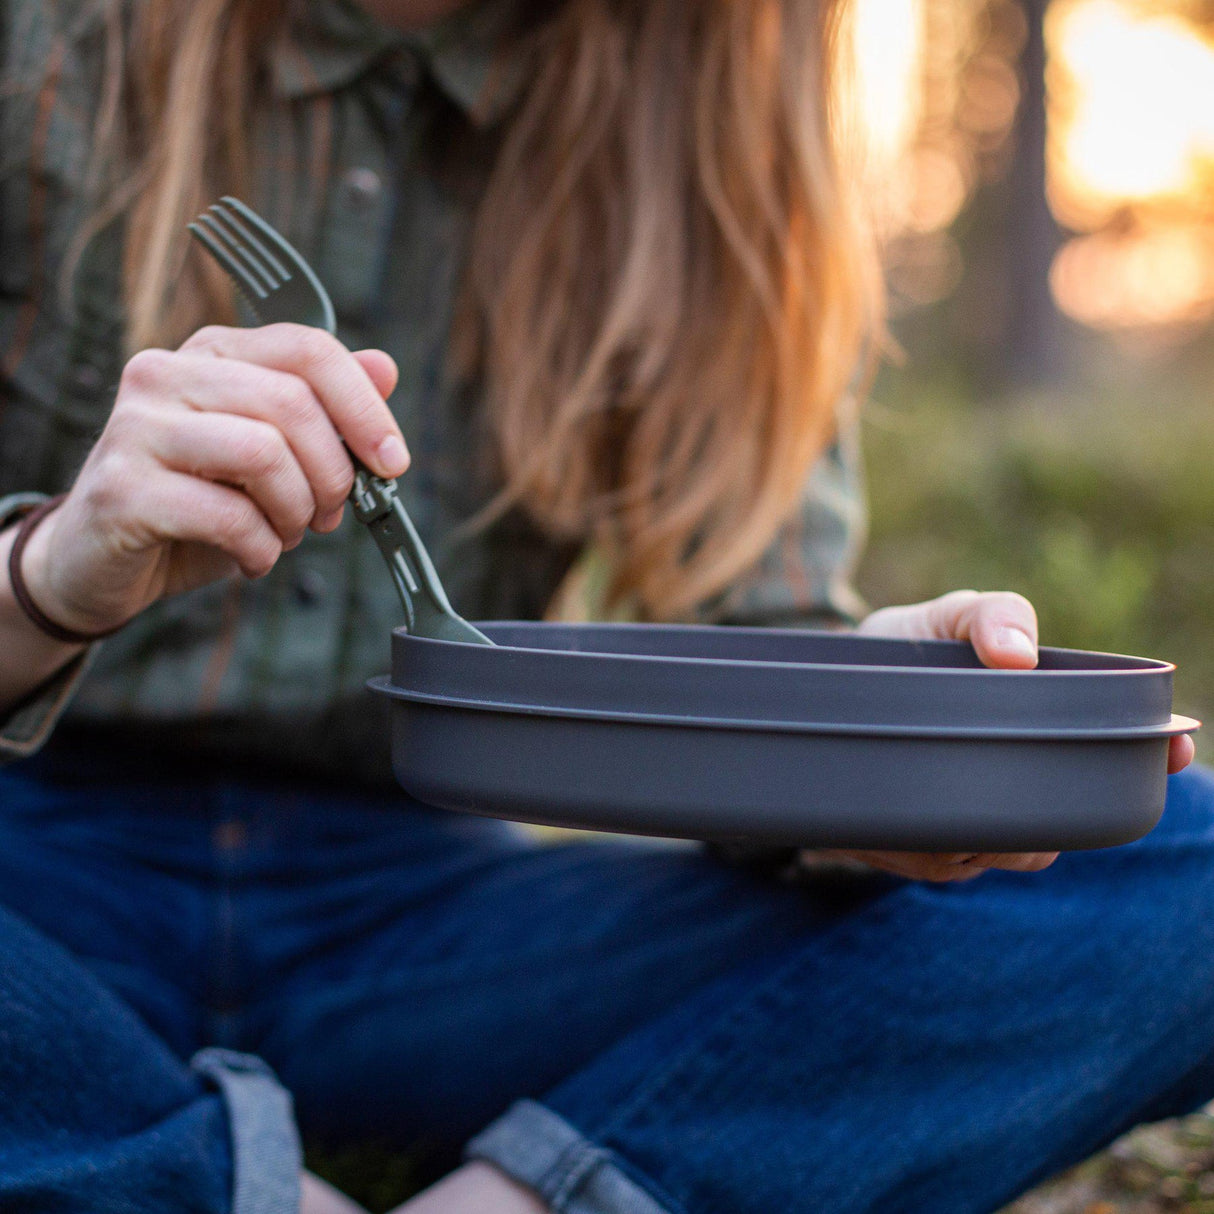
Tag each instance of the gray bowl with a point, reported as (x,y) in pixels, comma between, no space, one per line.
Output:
(791,737)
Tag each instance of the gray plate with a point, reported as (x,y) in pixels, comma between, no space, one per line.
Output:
(809,738)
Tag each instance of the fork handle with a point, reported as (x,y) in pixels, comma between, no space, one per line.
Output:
(377,505)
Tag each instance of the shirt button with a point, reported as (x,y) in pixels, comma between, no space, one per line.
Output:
(87,377)
(310,587)
(361,187)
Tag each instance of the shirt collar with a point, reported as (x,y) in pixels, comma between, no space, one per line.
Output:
(328,44)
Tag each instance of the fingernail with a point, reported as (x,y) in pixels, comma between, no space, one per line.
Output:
(328,523)
(392,455)
(1012,640)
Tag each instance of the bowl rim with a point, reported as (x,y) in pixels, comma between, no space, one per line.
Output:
(1133,665)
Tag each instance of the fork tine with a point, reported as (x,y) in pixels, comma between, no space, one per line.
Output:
(234,222)
(252,289)
(234,245)
(271,237)
(293,259)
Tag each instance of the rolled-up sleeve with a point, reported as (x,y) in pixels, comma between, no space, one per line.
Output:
(26,727)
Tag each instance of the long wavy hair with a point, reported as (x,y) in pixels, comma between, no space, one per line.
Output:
(669,286)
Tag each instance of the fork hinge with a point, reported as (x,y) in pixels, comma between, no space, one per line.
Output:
(377,506)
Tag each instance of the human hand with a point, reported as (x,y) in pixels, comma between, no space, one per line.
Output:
(1002,627)
(216,459)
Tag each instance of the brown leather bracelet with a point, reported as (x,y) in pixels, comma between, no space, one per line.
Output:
(21,593)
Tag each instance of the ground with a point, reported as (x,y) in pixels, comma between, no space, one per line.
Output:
(1163,1169)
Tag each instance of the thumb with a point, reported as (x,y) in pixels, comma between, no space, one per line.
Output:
(381,368)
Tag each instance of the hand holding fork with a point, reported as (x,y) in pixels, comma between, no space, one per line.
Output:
(216,458)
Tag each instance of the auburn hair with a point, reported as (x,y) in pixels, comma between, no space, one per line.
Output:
(668,289)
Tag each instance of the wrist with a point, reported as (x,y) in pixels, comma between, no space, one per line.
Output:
(30,565)
(43,650)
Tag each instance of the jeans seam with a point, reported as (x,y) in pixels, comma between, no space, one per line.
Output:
(572,1166)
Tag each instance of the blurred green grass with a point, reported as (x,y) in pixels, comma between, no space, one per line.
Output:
(1096,502)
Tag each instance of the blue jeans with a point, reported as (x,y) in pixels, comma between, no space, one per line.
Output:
(624,1028)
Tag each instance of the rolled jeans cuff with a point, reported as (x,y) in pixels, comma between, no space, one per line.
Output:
(534,1146)
(266,1154)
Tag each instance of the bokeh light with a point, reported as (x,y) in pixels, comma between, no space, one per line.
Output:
(1154,277)
(1130,163)
(1132,108)
(888,47)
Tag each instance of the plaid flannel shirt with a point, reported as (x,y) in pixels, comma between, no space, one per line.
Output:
(371,148)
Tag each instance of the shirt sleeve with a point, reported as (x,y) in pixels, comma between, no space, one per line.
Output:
(26,727)
(804,579)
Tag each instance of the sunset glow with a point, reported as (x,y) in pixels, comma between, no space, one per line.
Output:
(1131,146)
(1130,162)
(1157,277)
(888,47)
(1133,105)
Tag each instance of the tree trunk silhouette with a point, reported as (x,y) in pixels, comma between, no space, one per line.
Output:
(1033,347)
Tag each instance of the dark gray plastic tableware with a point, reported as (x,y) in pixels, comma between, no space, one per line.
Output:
(792,737)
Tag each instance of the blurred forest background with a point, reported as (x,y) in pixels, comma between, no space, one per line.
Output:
(1044,173)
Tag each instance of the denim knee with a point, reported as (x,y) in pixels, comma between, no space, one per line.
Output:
(98,1114)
